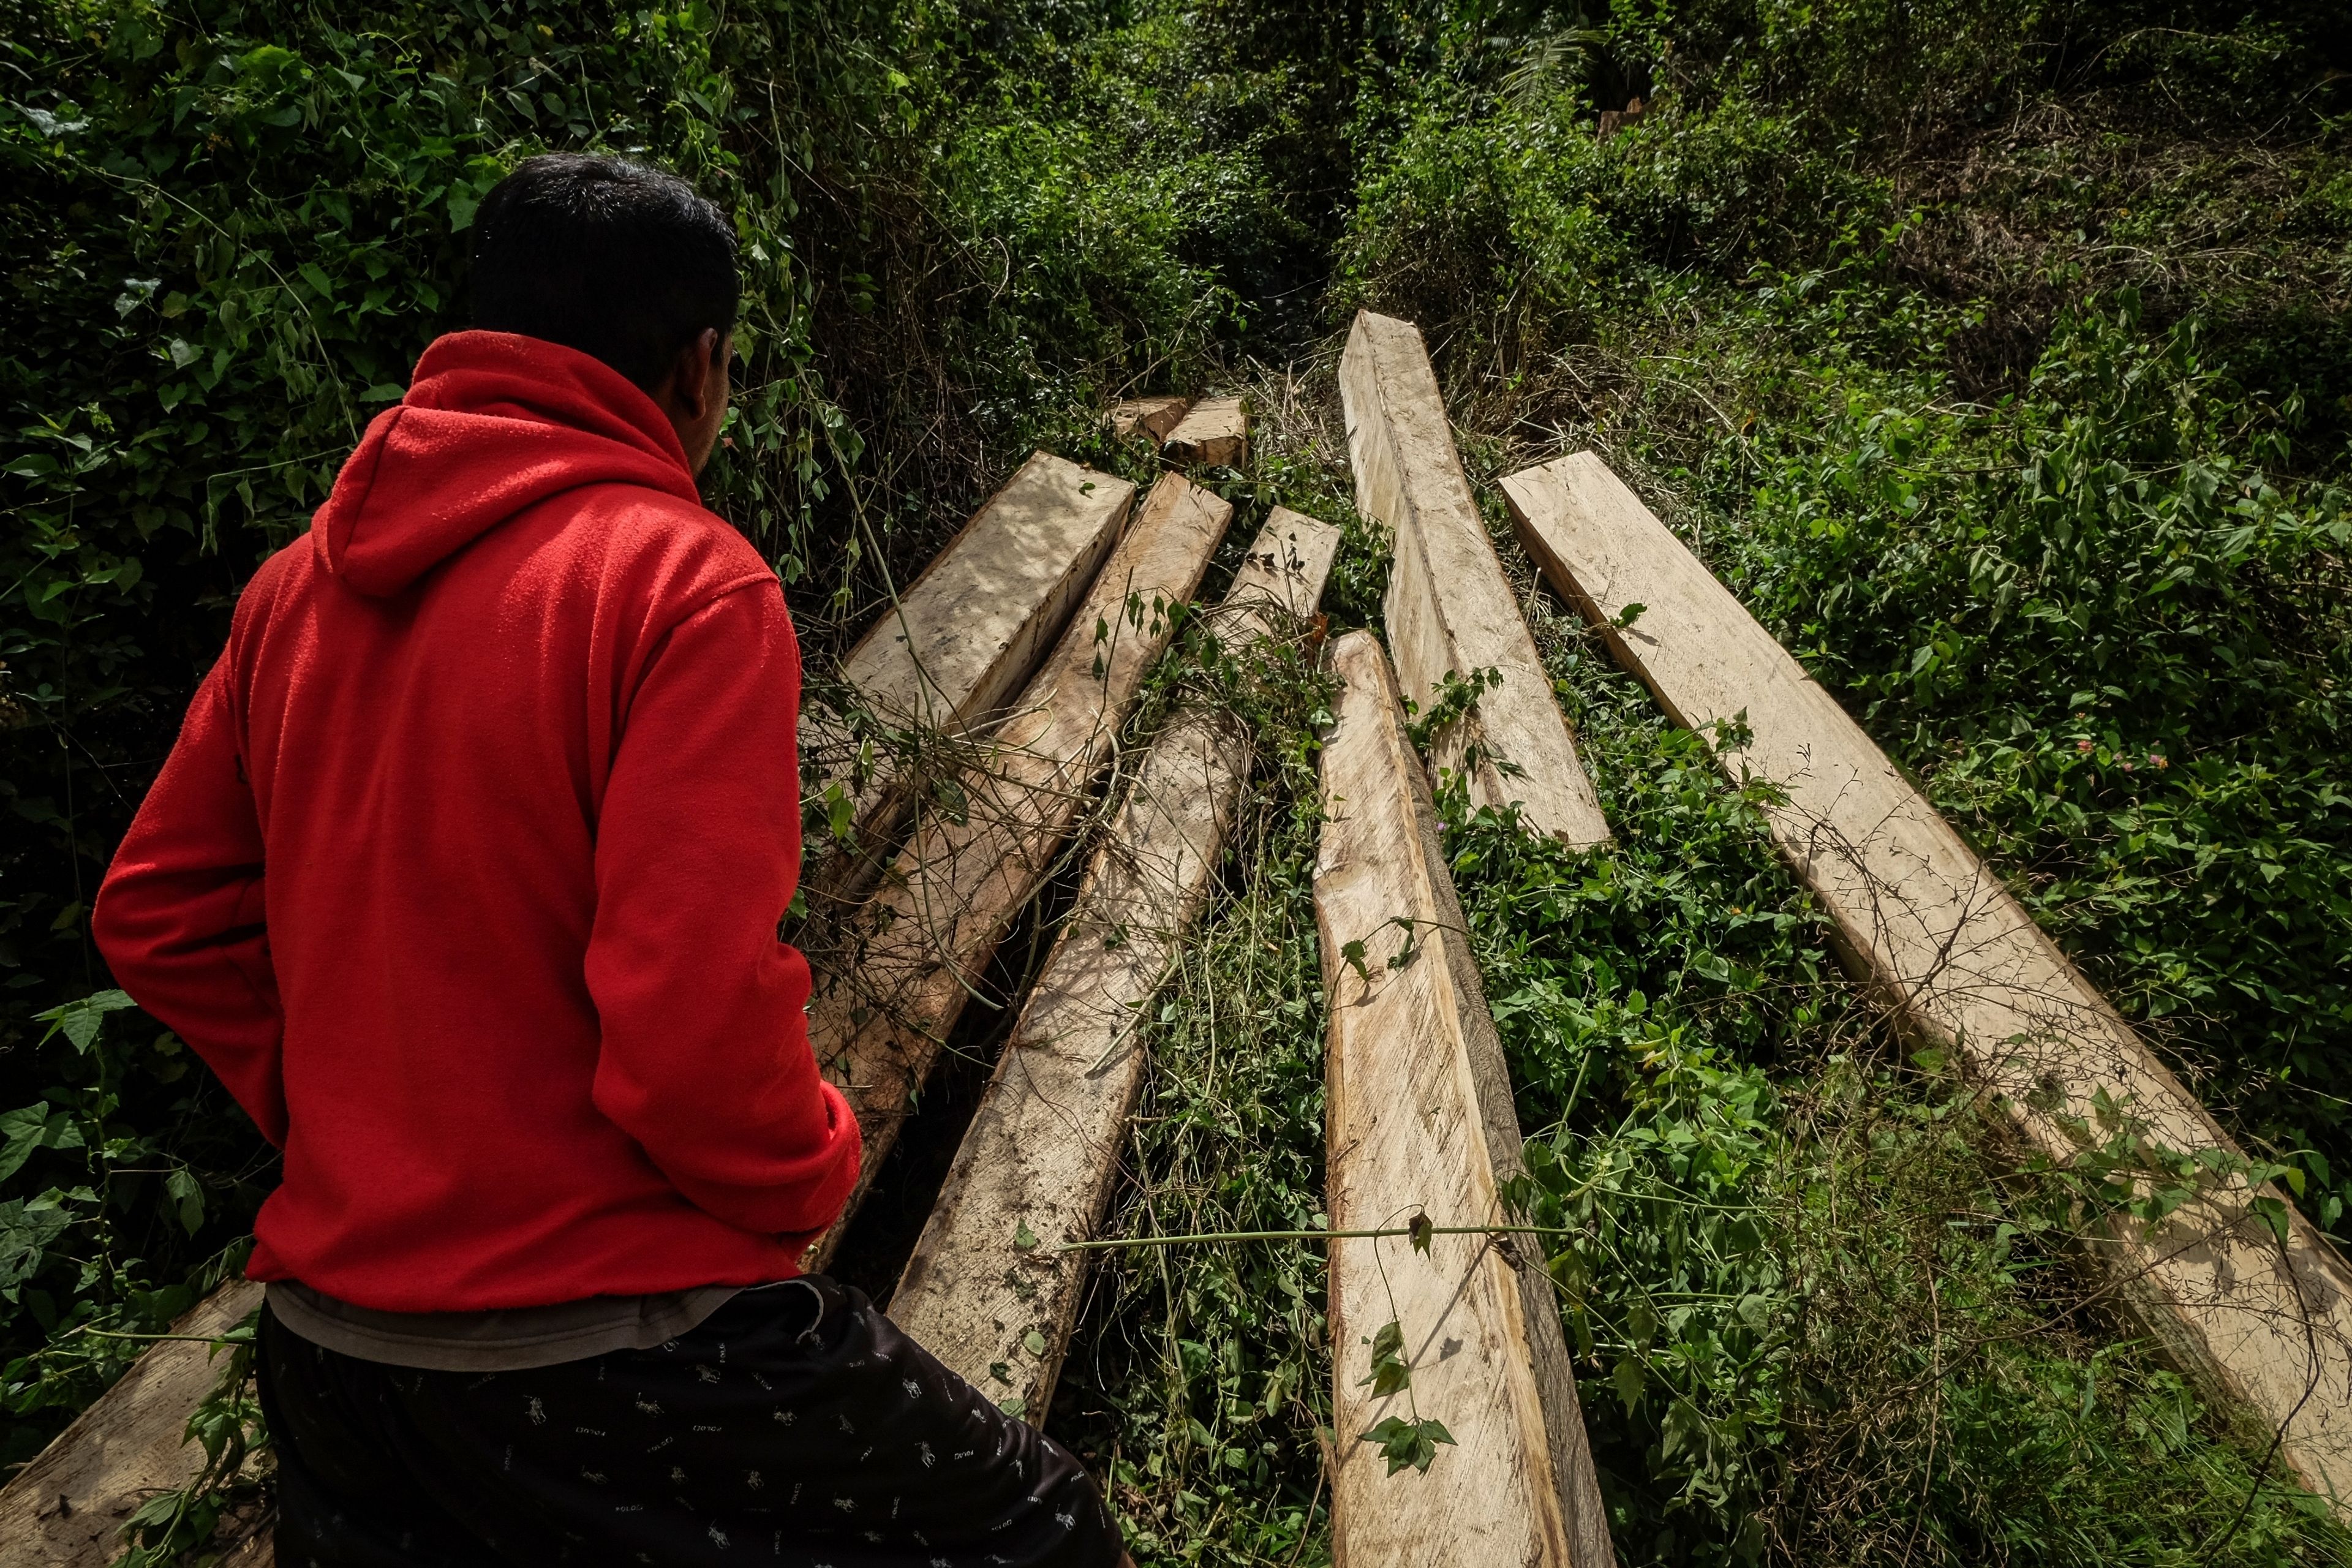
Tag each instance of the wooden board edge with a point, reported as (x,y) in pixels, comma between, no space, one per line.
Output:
(1287,566)
(1582,1514)
(2181,1341)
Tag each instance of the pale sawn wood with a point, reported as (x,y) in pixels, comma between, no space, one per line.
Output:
(1450,609)
(1042,1153)
(1941,938)
(949,652)
(1419,1121)
(921,945)
(1214,431)
(1150,417)
(65,1510)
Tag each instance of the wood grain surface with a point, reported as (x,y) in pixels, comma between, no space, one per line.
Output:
(960,641)
(1941,940)
(1450,609)
(1042,1154)
(1419,1121)
(66,1508)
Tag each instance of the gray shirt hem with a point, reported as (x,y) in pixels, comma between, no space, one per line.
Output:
(512,1340)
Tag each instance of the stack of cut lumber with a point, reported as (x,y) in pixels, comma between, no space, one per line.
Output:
(987,1290)
(920,947)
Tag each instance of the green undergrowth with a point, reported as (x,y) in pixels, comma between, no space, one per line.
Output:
(2003,373)
(1818,1316)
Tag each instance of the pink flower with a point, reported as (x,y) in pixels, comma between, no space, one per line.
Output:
(2127,767)
(2082,746)
(2157,760)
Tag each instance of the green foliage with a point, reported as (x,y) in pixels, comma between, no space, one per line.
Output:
(1811,1321)
(101,1190)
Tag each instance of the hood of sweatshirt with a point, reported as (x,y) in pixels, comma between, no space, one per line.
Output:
(493,423)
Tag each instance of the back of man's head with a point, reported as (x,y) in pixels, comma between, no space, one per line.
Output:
(605,256)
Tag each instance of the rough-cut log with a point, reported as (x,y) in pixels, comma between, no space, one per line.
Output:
(1215,432)
(924,940)
(1450,609)
(1965,967)
(944,658)
(1042,1153)
(65,1508)
(1150,417)
(1419,1121)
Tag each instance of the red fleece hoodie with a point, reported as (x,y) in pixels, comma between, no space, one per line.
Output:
(466,872)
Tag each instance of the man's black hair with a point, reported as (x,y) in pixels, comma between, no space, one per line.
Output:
(605,256)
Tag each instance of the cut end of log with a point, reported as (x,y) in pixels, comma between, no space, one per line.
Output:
(1214,433)
(1149,418)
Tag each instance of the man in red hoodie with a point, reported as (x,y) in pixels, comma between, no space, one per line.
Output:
(465,876)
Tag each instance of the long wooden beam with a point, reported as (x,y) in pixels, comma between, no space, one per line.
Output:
(66,1508)
(1966,968)
(1042,1153)
(921,945)
(1421,1121)
(951,650)
(1450,609)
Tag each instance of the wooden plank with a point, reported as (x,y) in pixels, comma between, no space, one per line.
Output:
(1150,417)
(1042,1153)
(1215,431)
(1964,965)
(951,650)
(65,1508)
(924,940)
(1450,609)
(1419,1119)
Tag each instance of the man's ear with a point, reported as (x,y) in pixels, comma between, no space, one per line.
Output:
(698,376)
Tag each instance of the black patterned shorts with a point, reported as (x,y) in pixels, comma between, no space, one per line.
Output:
(796,1426)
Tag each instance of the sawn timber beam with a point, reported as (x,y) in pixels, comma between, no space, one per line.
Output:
(66,1510)
(1938,936)
(921,945)
(951,650)
(1419,1121)
(1450,609)
(1042,1154)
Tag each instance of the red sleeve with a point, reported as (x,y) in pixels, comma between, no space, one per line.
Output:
(706,1059)
(179,916)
